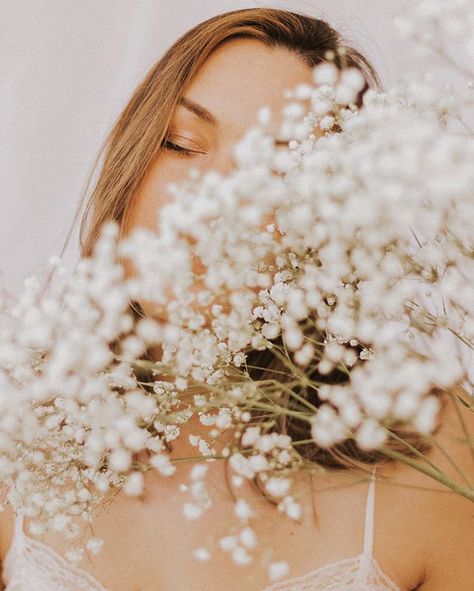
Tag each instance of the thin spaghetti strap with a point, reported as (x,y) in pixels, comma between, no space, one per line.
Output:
(369,516)
(18,540)
(19,523)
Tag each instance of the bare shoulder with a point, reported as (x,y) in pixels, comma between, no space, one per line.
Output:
(441,520)
(450,564)
(456,427)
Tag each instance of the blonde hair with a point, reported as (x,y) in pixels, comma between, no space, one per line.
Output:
(140,131)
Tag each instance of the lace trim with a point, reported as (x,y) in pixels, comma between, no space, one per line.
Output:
(355,575)
(31,565)
(359,573)
(34,566)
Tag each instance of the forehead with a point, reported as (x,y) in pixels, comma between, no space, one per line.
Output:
(241,76)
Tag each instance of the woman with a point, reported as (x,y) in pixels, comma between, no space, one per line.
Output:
(190,110)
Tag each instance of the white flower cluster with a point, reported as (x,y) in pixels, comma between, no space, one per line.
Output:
(357,260)
(72,412)
(370,221)
(436,25)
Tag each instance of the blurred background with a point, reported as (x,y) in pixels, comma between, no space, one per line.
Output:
(68,67)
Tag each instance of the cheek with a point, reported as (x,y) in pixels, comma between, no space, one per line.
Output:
(144,212)
(153,193)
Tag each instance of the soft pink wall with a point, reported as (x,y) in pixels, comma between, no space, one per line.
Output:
(67,69)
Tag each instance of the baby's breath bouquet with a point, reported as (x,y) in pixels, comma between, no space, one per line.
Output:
(317,294)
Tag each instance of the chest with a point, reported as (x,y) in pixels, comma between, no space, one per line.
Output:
(149,544)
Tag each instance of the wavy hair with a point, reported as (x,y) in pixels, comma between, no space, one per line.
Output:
(139,134)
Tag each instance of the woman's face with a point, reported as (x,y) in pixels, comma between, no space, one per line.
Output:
(218,105)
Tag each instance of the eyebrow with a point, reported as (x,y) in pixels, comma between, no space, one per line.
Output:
(198,110)
(207,116)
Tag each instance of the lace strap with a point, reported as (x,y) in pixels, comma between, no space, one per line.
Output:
(369,516)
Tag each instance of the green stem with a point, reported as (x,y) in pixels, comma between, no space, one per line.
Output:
(302,442)
(464,429)
(295,395)
(280,410)
(450,460)
(414,450)
(436,475)
(145,467)
(285,359)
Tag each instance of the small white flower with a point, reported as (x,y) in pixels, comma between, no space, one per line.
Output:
(60,522)
(264,115)
(278,487)
(237,481)
(370,434)
(325,74)
(94,545)
(163,464)
(241,556)
(243,510)
(428,410)
(198,471)
(290,507)
(181,383)
(120,460)
(248,537)
(250,436)
(228,543)
(135,484)
(258,463)
(327,122)
(192,511)
(352,78)
(202,554)
(277,570)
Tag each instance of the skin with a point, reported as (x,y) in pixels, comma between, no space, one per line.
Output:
(234,102)
(233,106)
(148,544)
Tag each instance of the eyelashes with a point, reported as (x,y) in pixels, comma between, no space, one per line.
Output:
(181,152)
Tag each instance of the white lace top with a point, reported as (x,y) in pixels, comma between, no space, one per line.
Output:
(31,565)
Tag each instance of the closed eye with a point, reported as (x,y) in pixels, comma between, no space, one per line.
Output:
(183,152)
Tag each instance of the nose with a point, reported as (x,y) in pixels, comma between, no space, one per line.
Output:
(222,161)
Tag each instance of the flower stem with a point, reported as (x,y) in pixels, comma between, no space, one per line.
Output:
(435,474)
